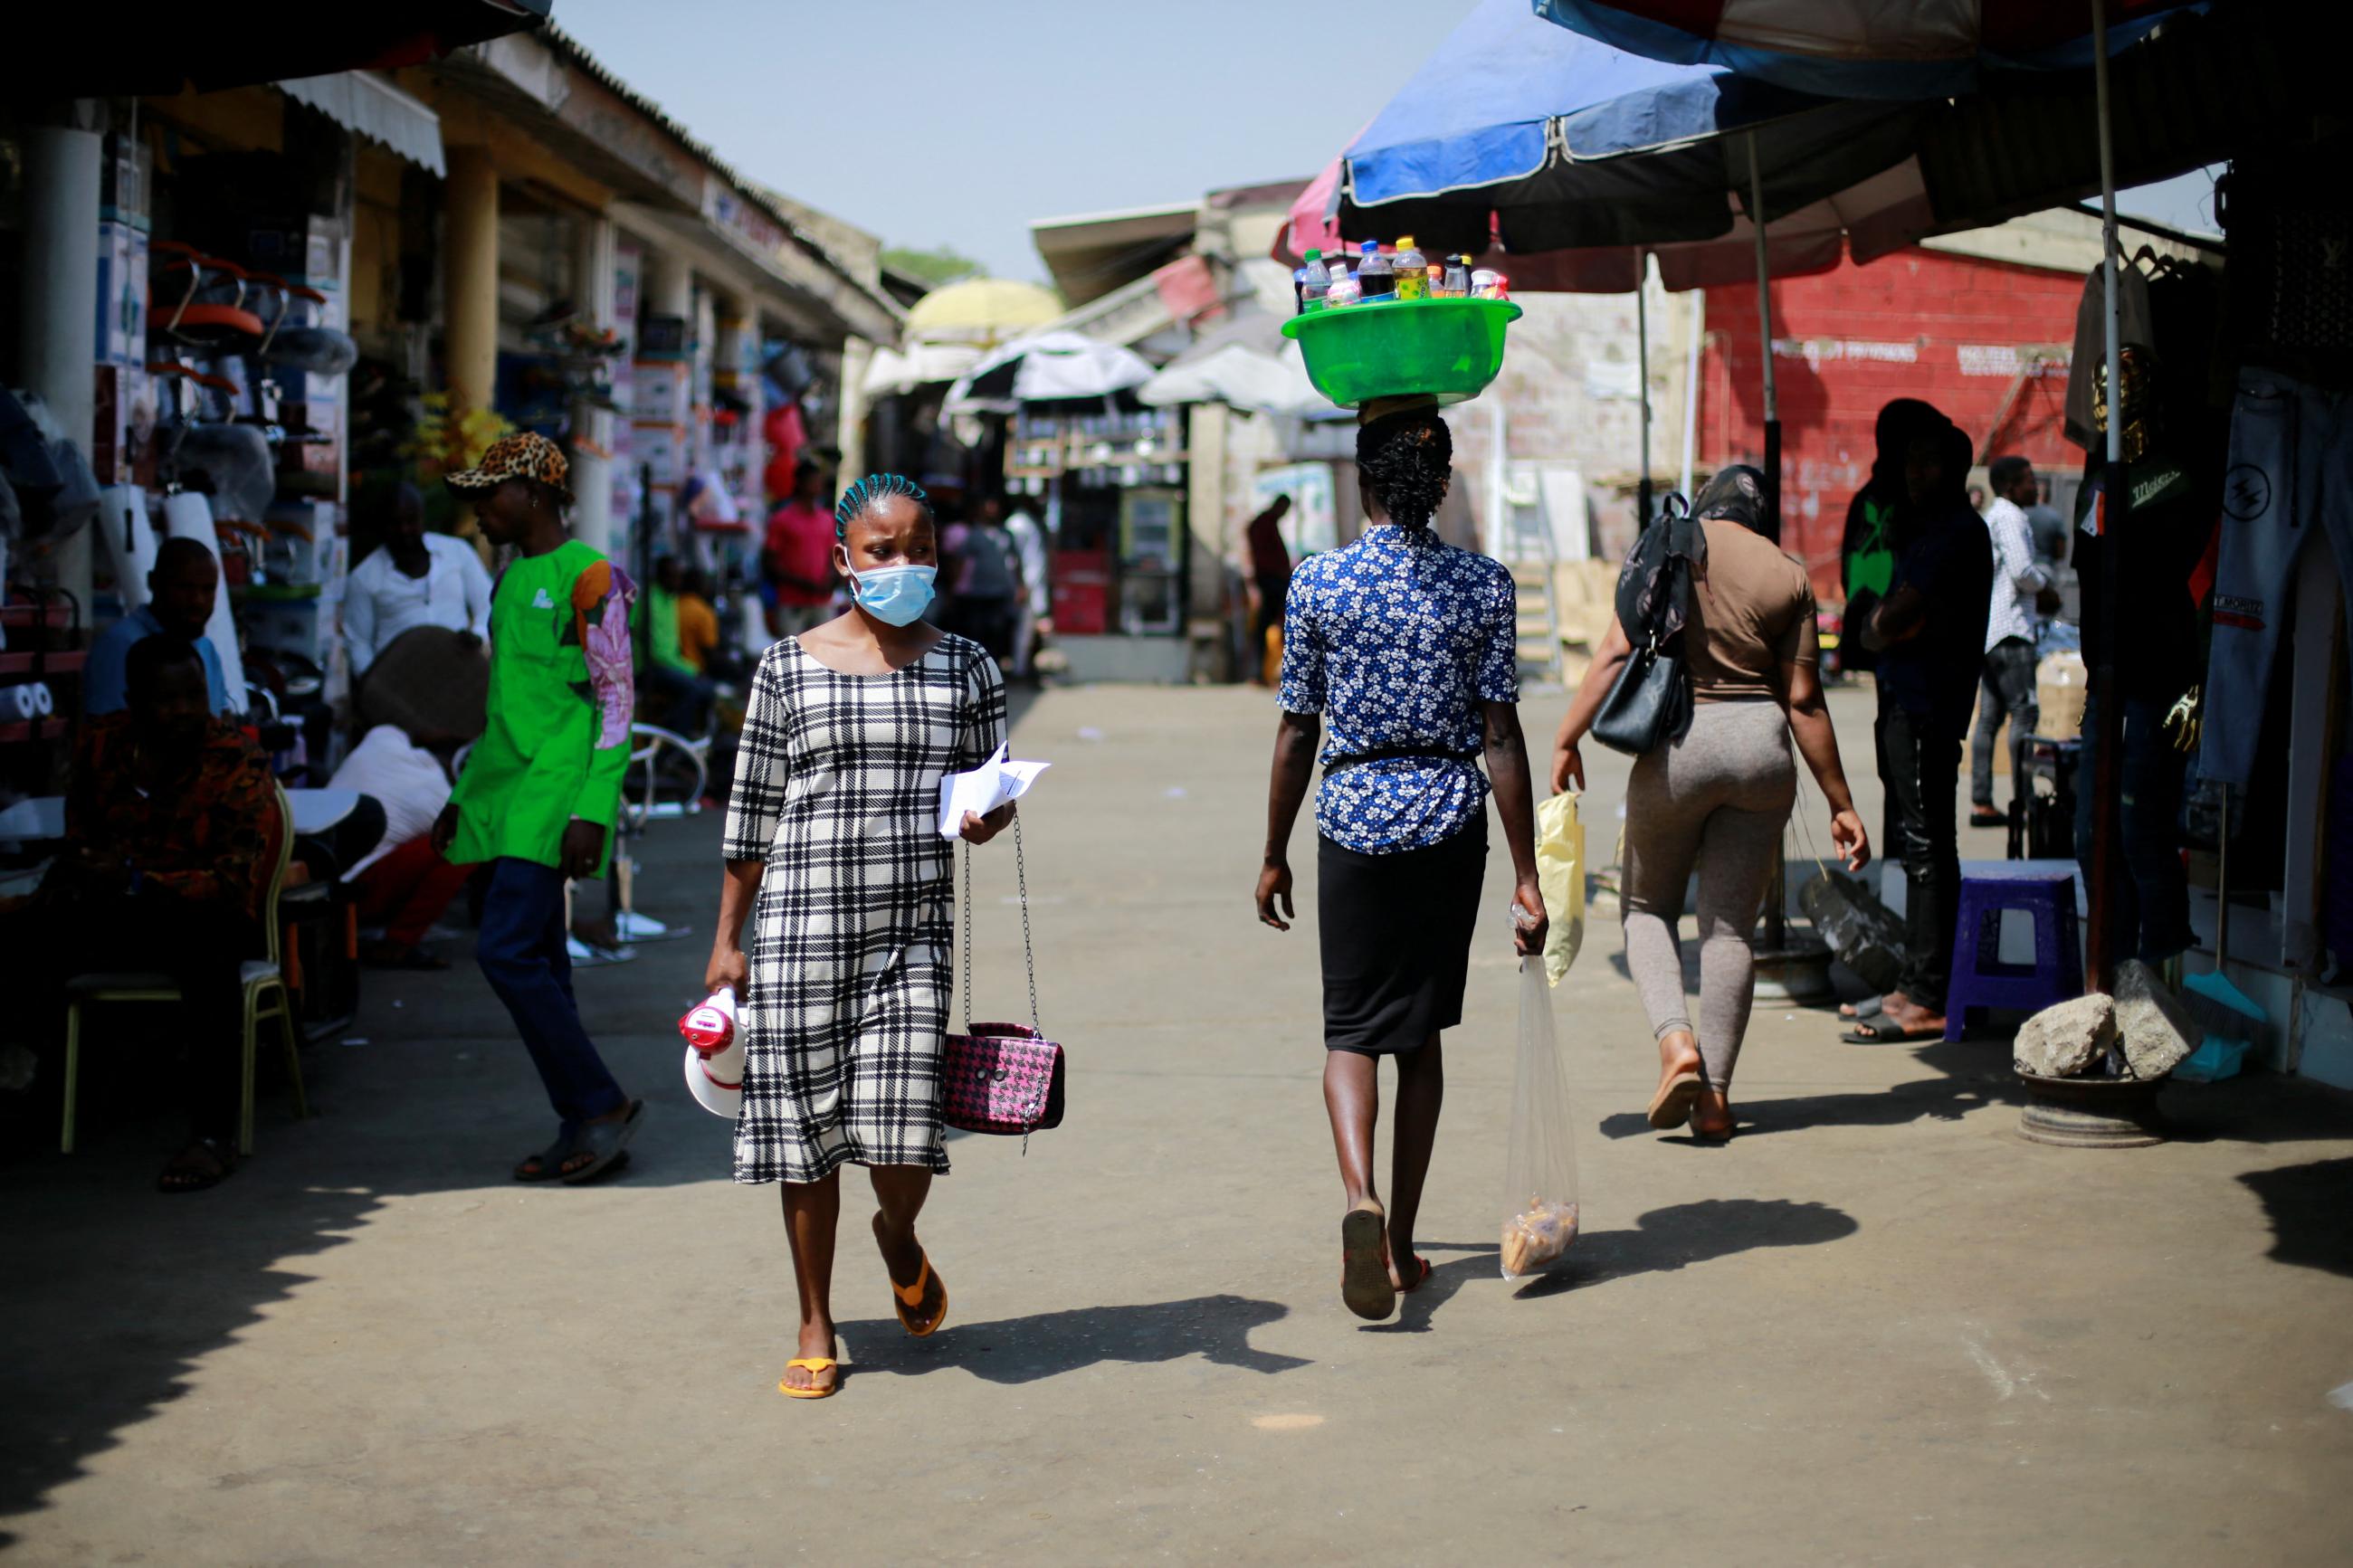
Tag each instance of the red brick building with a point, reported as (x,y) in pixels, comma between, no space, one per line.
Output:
(1985,341)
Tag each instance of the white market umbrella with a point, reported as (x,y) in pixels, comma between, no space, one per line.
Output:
(1046,367)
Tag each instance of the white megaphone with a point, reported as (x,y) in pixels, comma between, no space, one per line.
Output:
(715,1053)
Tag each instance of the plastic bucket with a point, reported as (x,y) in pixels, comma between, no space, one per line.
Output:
(1450,349)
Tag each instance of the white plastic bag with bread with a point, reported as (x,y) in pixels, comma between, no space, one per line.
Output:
(1540,1156)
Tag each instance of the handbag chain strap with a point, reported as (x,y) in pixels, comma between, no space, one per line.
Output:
(1028,952)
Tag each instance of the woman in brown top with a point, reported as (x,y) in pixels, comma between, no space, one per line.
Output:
(1719,795)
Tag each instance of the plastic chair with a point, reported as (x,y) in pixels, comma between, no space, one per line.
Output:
(261,976)
(1980,979)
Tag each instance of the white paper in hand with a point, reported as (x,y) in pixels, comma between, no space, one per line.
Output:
(993,784)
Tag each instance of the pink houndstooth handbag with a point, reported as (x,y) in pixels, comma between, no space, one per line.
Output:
(1001,1077)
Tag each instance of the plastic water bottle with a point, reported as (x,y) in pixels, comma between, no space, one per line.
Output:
(1345,289)
(1412,280)
(1375,279)
(1315,283)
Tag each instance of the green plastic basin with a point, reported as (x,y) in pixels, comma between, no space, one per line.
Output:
(1449,348)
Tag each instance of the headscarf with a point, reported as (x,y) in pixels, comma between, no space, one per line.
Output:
(1735,494)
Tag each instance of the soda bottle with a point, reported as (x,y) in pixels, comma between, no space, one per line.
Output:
(1412,280)
(1315,283)
(1299,290)
(1458,278)
(1375,279)
(1436,287)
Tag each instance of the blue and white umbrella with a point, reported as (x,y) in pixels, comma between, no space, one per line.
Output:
(1523,133)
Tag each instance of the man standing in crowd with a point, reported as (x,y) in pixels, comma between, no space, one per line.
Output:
(415,578)
(677,641)
(172,824)
(1035,613)
(542,786)
(2007,686)
(797,554)
(1269,562)
(1929,635)
(988,585)
(181,587)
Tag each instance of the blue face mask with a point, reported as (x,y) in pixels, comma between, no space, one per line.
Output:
(896,594)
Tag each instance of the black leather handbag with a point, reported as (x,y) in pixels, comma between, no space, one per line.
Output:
(1647,705)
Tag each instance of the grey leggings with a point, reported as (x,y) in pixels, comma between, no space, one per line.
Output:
(1718,796)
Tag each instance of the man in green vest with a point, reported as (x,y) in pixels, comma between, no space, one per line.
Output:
(542,788)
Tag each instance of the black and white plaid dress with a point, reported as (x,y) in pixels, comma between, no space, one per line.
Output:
(838,790)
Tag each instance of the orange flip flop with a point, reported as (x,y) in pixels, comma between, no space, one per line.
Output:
(1670,1107)
(812,1364)
(906,1300)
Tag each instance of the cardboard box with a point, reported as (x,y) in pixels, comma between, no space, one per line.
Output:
(660,393)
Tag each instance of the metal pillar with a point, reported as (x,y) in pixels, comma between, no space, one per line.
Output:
(2106,775)
(57,320)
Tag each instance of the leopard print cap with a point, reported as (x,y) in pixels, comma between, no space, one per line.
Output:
(525,455)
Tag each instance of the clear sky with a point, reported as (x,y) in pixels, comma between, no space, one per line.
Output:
(959,121)
(928,121)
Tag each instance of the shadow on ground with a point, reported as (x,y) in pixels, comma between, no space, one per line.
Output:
(2307,1206)
(113,1294)
(1048,1344)
(1974,1074)
(1681,1235)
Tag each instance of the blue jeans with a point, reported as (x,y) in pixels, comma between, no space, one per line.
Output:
(523,956)
(2150,895)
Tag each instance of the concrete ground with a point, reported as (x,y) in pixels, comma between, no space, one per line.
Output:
(1879,1328)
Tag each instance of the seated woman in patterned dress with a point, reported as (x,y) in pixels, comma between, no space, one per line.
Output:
(833,855)
(1408,646)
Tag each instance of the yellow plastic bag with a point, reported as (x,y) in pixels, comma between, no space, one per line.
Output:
(1560,877)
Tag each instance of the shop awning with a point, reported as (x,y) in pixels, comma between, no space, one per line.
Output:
(372,106)
(97,51)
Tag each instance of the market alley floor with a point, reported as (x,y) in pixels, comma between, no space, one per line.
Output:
(1878,1328)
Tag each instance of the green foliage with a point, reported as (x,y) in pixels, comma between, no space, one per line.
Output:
(940,264)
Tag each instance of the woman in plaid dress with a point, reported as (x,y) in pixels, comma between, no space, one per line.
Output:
(833,851)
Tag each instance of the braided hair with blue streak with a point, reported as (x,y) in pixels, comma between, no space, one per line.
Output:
(863,495)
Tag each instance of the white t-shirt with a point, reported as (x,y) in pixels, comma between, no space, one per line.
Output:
(404,777)
(1030,539)
(381,601)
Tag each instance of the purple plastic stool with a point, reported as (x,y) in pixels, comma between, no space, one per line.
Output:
(1980,980)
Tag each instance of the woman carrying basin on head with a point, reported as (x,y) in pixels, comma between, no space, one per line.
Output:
(833,857)
(1408,648)
(1716,796)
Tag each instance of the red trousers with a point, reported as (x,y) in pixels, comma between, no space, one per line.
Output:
(409,888)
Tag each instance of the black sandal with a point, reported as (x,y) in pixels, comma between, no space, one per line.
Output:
(606,1143)
(182,1177)
(548,1164)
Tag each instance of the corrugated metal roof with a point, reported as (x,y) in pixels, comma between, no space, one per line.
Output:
(365,102)
(570,48)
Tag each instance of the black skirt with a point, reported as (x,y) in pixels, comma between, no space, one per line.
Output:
(1396,939)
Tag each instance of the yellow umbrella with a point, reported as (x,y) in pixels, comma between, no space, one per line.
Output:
(982,311)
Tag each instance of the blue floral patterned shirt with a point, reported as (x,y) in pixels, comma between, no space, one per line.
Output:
(1396,641)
